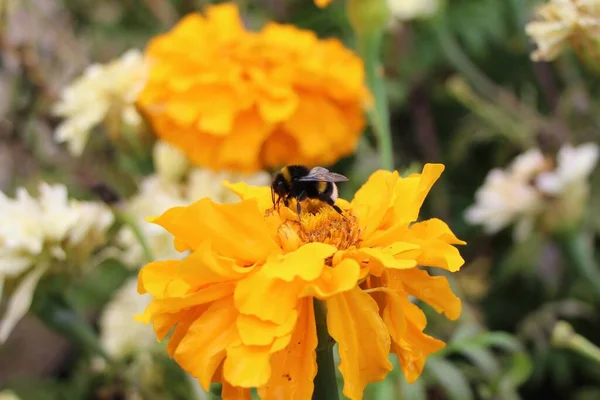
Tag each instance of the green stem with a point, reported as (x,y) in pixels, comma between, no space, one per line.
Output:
(128,220)
(580,253)
(565,336)
(369,47)
(326,380)
(463,64)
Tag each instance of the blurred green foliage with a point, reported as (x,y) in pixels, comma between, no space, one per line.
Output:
(462,91)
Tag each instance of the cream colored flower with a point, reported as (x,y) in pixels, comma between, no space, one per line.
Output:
(535,188)
(154,197)
(170,162)
(203,182)
(562,21)
(574,167)
(50,232)
(157,195)
(508,197)
(102,91)
(8,395)
(120,335)
(405,10)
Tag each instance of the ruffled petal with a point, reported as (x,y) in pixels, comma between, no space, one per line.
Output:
(175,304)
(201,351)
(247,366)
(204,267)
(245,239)
(372,201)
(434,290)
(414,346)
(364,343)
(156,277)
(229,392)
(410,192)
(337,279)
(377,259)
(268,299)
(262,194)
(436,241)
(295,367)
(255,332)
(305,263)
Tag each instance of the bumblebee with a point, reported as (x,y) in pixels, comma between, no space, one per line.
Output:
(300,182)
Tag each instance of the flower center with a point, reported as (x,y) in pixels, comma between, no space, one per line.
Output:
(319,222)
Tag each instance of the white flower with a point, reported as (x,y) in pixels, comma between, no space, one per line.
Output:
(406,10)
(203,182)
(170,162)
(561,20)
(8,395)
(102,89)
(156,195)
(574,166)
(508,197)
(38,234)
(120,334)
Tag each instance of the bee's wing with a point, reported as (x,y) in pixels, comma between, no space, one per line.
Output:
(320,174)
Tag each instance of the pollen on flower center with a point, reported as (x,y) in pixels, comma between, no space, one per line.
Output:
(319,222)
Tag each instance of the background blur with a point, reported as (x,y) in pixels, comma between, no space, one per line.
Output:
(463,91)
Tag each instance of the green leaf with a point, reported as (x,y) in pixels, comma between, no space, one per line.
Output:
(519,371)
(483,359)
(502,340)
(449,377)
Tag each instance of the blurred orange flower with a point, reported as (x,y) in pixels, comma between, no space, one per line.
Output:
(240,100)
(323,3)
(242,301)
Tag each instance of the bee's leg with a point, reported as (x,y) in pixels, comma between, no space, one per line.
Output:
(302,196)
(273,197)
(329,201)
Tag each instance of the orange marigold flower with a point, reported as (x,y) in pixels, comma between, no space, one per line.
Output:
(242,301)
(240,100)
(322,3)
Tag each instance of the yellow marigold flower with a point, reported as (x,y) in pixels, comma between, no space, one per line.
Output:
(246,100)
(566,21)
(241,303)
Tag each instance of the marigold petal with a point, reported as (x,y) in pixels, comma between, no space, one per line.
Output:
(306,263)
(229,392)
(414,346)
(247,366)
(201,351)
(255,296)
(246,239)
(262,194)
(436,241)
(378,259)
(255,332)
(183,322)
(434,290)
(364,343)
(333,280)
(157,276)
(393,314)
(295,367)
(248,132)
(204,267)
(411,192)
(372,201)
(202,296)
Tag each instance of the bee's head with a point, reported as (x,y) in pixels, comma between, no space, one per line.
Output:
(280,184)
